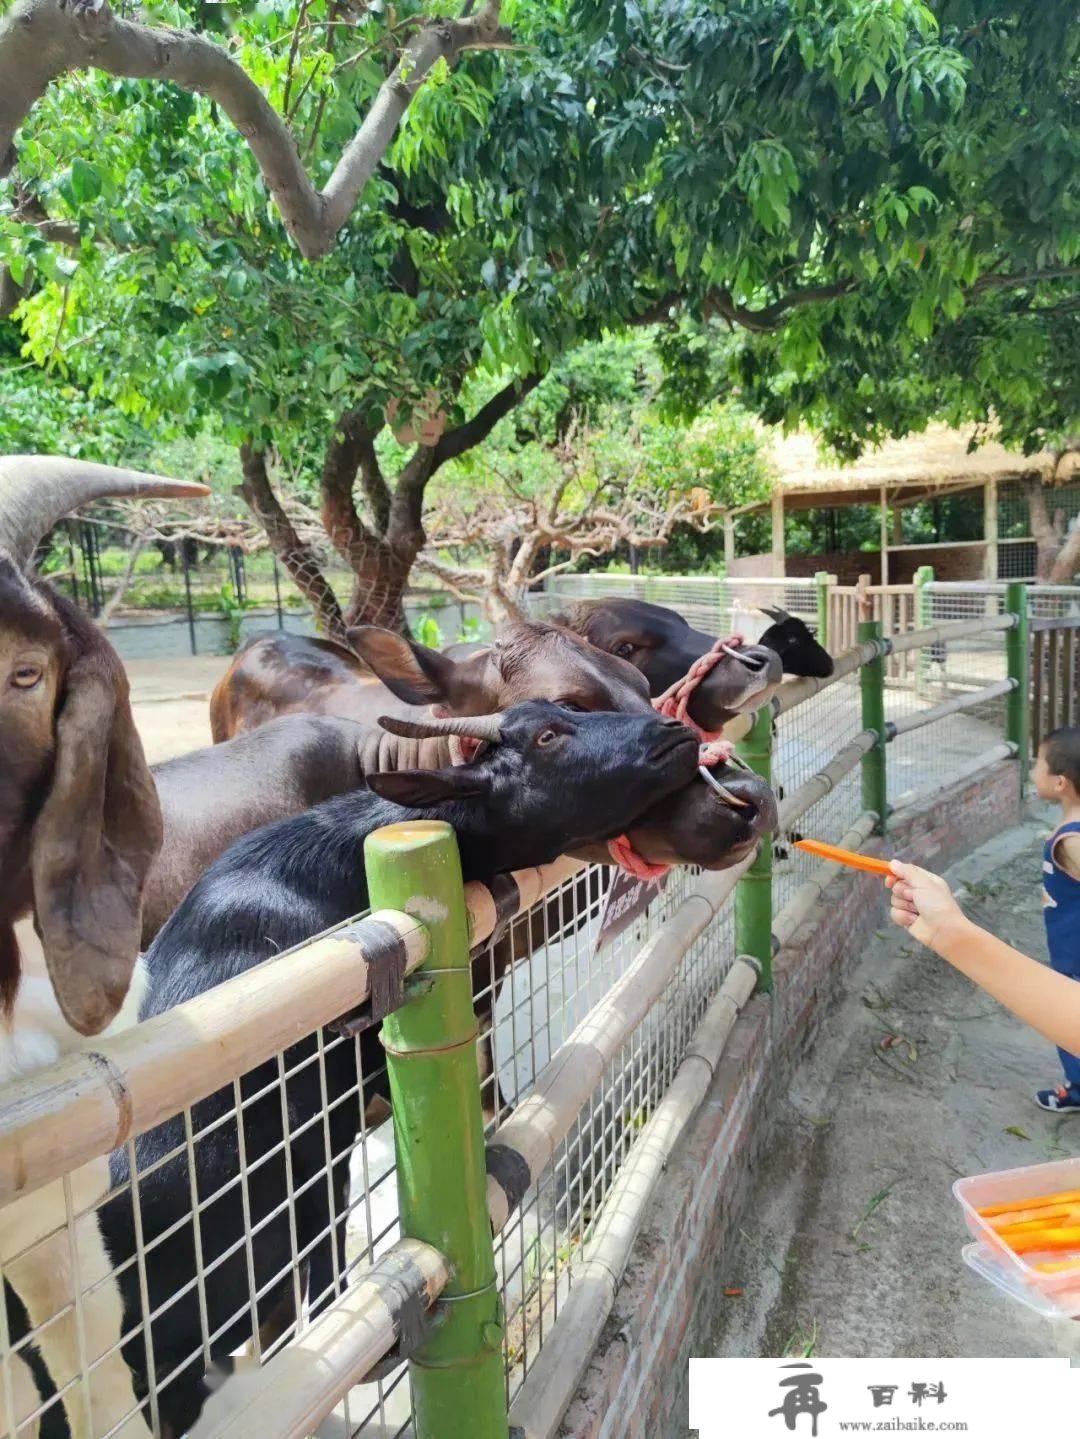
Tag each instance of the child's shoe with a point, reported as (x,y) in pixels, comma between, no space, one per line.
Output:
(1065,1100)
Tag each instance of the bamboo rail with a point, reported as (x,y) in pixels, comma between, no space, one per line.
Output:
(90,1102)
(1005,750)
(827,778)
(918,718)
(289,1396)
(797,910)
(951,630)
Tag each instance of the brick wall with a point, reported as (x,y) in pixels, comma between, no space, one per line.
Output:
(636,1385)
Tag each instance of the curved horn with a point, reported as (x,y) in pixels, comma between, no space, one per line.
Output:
(485,727)
(38,490)
(774,612)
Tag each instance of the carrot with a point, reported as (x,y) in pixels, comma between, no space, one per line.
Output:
(1041,1201)
(1026,1218)
(849,857)
(1056,1266)
(1049,1238)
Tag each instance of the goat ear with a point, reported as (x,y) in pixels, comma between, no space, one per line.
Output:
(94,841)
(414,673)
(417,788)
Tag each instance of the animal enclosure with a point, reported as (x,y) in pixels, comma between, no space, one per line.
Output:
(602,1036)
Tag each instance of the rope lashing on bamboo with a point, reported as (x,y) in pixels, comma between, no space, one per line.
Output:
(622,851)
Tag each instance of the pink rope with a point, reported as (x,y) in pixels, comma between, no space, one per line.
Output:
(676,698)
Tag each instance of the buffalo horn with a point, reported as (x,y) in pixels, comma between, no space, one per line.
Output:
(38,490)
(482,727)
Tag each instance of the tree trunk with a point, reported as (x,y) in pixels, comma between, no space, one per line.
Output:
(1067,562)
(1048,534)
(297,558)
(379,591)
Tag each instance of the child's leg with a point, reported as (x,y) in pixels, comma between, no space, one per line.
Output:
(1068,964)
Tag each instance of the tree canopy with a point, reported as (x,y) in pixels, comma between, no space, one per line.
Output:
(878,197)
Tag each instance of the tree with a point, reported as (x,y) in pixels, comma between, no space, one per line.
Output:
(801,172)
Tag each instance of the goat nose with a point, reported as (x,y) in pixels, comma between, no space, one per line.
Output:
(669,722)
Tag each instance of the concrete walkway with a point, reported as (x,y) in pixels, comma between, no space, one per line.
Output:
(851,1240)
(170,699)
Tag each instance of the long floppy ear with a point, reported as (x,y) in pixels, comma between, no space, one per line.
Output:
(414,673)
(94,840)
(418,788)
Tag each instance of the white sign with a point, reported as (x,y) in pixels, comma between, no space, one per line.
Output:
(825,1398)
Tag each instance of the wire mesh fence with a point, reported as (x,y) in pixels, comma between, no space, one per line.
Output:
(214,1242)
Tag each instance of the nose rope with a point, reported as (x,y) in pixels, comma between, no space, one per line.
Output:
(676,698)
(622,851)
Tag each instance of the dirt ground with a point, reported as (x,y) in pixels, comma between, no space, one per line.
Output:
(171,702)
(851,1240)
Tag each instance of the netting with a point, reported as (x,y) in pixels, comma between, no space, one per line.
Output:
(227,1232)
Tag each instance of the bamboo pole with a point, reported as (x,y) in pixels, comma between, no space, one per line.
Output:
(292,1394)
(793,693)
(753,894)
(798,908)
(994,755)
(557,1371)
(522,1147)
(1018,663)
(90,1102)
(795,805)
(458,1389)
(919,718)
(822,581)
(951,630)
(872,700)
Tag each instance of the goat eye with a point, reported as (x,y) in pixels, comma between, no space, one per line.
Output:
(547,736)
(572,706)
(625,650)
(26,677)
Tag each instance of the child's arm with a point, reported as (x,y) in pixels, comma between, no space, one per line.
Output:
(1067,854)
(1048,1001)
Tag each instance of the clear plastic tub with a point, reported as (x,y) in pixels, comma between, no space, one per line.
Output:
(1057,1296)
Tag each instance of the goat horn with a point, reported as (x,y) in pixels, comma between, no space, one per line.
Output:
(38,490)
(485,727)
(774,612)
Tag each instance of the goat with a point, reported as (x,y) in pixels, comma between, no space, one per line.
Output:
(547,780)
(79,827)
(792,639)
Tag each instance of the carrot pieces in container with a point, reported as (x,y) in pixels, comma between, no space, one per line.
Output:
(850,857)
(1047,1238)
(1056,1266)
(1021,1219)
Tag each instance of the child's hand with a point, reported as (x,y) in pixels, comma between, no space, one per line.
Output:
(921,902)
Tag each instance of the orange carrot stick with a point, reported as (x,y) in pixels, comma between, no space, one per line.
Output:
(850,857)
(1041,1201)
(1049,1238)
(1029,1218)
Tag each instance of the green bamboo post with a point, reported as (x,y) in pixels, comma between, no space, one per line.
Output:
(1018,662)
(823,580)
(753,893)
(872,692)
(457,1378)
(924,576)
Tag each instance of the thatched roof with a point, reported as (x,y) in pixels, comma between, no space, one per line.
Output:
(938,457)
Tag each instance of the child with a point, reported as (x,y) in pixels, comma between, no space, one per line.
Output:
(1048,1001)
(1056,777)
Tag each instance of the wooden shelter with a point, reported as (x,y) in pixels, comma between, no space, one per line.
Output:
(892,477)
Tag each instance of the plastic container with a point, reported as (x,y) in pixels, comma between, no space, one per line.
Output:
(1057,1296)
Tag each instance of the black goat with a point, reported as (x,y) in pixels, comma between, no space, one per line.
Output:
(549,780)
(793,640)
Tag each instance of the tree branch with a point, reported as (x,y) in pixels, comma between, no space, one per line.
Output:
(297,558)
(455,442)
(342,460)
(43,39)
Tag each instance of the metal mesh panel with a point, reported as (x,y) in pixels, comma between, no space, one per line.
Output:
(713,603)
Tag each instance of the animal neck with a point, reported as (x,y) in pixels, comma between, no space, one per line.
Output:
(16,902)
